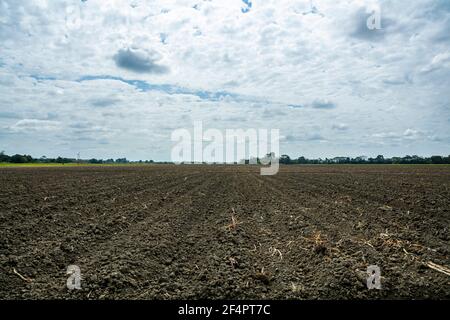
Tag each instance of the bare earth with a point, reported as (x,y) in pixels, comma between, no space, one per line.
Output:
(188,232)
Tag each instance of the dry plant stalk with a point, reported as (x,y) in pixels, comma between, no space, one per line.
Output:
(318,238)
(263,276)
(274,251)
(21,276)
(233,262)
(234,222)
(439,268)
(318,241)
(295,288)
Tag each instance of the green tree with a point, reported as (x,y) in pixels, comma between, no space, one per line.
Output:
(302,160)
(4,157)
(18,158)
(285,159)
(437,160)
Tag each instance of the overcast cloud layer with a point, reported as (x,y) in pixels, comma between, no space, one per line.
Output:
(115,78)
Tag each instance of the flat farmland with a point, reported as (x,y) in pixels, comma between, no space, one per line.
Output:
(192,232)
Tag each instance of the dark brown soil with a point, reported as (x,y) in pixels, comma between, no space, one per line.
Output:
(189,232)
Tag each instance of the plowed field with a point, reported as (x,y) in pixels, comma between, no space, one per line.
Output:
(188,232)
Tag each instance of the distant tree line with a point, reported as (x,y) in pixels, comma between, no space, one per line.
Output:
(283,159)
(380,159)
(18,158)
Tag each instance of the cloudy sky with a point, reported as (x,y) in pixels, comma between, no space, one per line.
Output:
(115,78)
